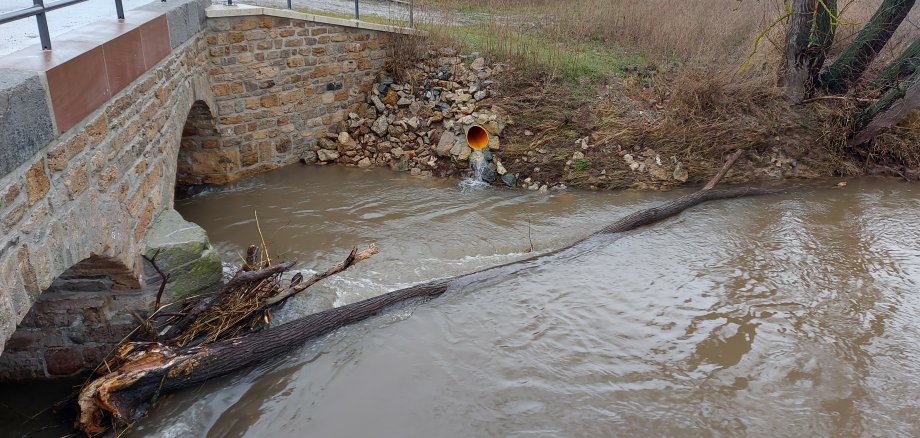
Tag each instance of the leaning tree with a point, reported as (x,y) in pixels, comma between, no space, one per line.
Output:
(805,72)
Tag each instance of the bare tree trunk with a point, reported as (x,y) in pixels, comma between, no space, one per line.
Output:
(855,59)
(889,110)
(901,68)
(809,36)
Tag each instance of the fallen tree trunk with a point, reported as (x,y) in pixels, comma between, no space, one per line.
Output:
(153,368)
(901,68)
(889,110)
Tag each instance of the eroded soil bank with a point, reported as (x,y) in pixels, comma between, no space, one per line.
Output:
(626,132)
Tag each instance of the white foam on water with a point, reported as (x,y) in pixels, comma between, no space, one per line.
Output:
(474,182)
(469,185)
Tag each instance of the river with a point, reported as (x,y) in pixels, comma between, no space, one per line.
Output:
(785,315)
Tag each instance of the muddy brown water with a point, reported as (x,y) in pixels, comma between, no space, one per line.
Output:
(785,315)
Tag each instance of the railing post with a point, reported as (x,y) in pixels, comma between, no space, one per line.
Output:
(289,5)
(412,13)
(120,10)
(357,13)
(43,34)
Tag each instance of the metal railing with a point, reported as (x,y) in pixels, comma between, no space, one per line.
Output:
(39,9)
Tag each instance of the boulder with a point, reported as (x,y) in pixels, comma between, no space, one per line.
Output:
(395,130)
(680,174)
(488,173)
(457,147)
(325,143)
(380,125)
(400,165)
(658,172)
(499,168)
(371,112)
(327,154)
(478,64)
(464,154)
(364,163)
(391,98)
(445,144)
(494,143)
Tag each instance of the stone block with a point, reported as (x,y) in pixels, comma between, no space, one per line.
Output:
(37,182)
(184,18)
(184,253)
(63,361)
(25,118)
(201,274)
(21,366)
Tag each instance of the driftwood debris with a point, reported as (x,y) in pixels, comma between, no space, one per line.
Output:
(218,336)
(194,338)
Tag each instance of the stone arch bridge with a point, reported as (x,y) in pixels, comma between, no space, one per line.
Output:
(95,134)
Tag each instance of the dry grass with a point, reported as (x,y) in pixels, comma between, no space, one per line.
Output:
(703,32)
(678,59)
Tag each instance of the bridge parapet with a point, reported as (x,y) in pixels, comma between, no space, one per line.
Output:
(87,192)
(96,134)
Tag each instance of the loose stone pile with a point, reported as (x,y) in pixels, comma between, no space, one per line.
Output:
(419,125)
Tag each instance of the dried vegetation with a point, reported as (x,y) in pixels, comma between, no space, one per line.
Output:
(680,79)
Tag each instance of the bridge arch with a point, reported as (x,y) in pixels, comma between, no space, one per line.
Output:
(251,89)
(75,321)
(202,158)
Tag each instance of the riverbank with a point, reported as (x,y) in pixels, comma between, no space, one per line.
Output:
(653,102)
(625,132)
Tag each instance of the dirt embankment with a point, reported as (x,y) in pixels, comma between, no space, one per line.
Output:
(654,130)
(647,129)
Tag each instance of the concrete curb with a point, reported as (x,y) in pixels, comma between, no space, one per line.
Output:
(25,118)
(220,11)
(185,18)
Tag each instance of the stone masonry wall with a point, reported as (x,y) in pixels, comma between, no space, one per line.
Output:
(279,83)
(243,95)
(94,191)
(75,321)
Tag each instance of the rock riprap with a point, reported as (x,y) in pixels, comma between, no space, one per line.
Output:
(419,124)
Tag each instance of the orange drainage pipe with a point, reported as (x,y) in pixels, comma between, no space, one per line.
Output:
(477,137)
